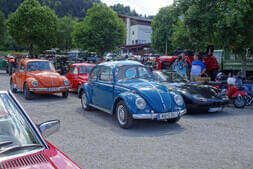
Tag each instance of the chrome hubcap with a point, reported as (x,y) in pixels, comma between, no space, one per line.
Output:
(121,114)
(84,101)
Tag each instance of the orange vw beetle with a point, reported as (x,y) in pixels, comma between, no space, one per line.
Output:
(38,76)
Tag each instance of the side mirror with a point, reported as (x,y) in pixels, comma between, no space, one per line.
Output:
(49,127)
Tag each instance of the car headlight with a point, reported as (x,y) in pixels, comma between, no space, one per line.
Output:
(179,100)
(140,103)
(35,83)
(66,82)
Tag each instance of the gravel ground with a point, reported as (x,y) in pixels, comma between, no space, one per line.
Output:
(95,141)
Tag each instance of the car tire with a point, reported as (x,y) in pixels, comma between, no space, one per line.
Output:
(13,89)
(239,102)
(27,92)
(174,120)
(124,118)
(79,91)
(84,103)
(65,94)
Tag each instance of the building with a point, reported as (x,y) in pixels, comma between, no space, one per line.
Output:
(138,30)
(138,36)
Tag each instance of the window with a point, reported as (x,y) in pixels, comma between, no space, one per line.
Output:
(40,66)
(73,70)
(133,32)
(105,75)
(132,41)
(93,74)
(136,41)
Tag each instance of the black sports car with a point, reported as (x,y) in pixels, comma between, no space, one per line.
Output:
(201,98)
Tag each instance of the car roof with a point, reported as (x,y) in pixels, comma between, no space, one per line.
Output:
(119,63)
(25,61)
(83,64)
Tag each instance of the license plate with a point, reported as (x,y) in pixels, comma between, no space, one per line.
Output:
(215,109)
(52,89)
(167,115)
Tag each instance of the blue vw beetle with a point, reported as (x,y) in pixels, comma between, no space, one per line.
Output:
(127,89)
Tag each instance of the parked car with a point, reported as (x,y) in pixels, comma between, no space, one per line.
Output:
(78,75)
(126,89)
(201,98)
(22,142)
(38,76)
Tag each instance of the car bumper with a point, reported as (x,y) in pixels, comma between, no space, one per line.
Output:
(53,89)
(156,115)
(206,106)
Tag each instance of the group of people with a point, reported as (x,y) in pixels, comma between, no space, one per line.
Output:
(199,67)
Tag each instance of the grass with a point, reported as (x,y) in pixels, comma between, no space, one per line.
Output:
(5,53)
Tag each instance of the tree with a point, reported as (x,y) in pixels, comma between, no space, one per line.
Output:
(74,8)
(162,29)
(33,26)
(101,31)
(66,27)
(2,28)
(124,10)
(180,38)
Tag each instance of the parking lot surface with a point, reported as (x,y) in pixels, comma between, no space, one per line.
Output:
(94,140)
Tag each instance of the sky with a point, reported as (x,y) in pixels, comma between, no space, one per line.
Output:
(148,7)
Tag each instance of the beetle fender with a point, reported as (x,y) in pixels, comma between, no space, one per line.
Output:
(129,99)
(86,89)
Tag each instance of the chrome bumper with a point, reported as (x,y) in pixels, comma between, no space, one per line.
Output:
(155,115)
(53,89)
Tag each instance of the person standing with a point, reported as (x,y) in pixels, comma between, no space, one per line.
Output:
(181,65)
(212,66)
(198,68)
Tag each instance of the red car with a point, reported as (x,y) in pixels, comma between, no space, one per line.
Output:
(78,75)
(22,143)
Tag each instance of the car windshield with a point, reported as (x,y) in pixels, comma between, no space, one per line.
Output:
(129,72)
(170,77)
(85,69)
(15,131)
(40,66)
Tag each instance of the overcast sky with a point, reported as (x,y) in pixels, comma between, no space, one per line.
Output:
(148,7)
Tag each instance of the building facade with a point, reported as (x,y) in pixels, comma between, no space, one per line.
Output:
(138,30)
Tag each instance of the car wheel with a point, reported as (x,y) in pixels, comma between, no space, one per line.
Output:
(174,120)
(27,92)
(13,89)
(239,102)
(65,94)
(79,91)
(124,118)
(84,102)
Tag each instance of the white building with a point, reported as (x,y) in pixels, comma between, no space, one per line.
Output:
(138,30)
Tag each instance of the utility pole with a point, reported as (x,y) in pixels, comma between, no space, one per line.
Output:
(244,63)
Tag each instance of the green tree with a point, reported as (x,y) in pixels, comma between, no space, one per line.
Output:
(180,38)
(124,10)
(162,29)
(66,27)
(101,31)
(33,26)
(2,28)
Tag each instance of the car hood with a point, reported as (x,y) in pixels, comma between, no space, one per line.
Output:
(155,94)
(50,158)
(48,78)
(204,91)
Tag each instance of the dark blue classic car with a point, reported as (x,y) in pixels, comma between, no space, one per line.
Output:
(127,88)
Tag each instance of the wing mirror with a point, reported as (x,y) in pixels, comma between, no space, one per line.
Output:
(49,127)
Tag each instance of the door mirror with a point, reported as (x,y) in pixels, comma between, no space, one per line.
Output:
(49,127)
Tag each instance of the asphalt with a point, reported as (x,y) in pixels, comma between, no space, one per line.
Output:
(94,140)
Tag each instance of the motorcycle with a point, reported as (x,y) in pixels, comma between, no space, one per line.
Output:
(236,92)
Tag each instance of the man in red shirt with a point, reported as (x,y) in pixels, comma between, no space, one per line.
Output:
(212,66)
